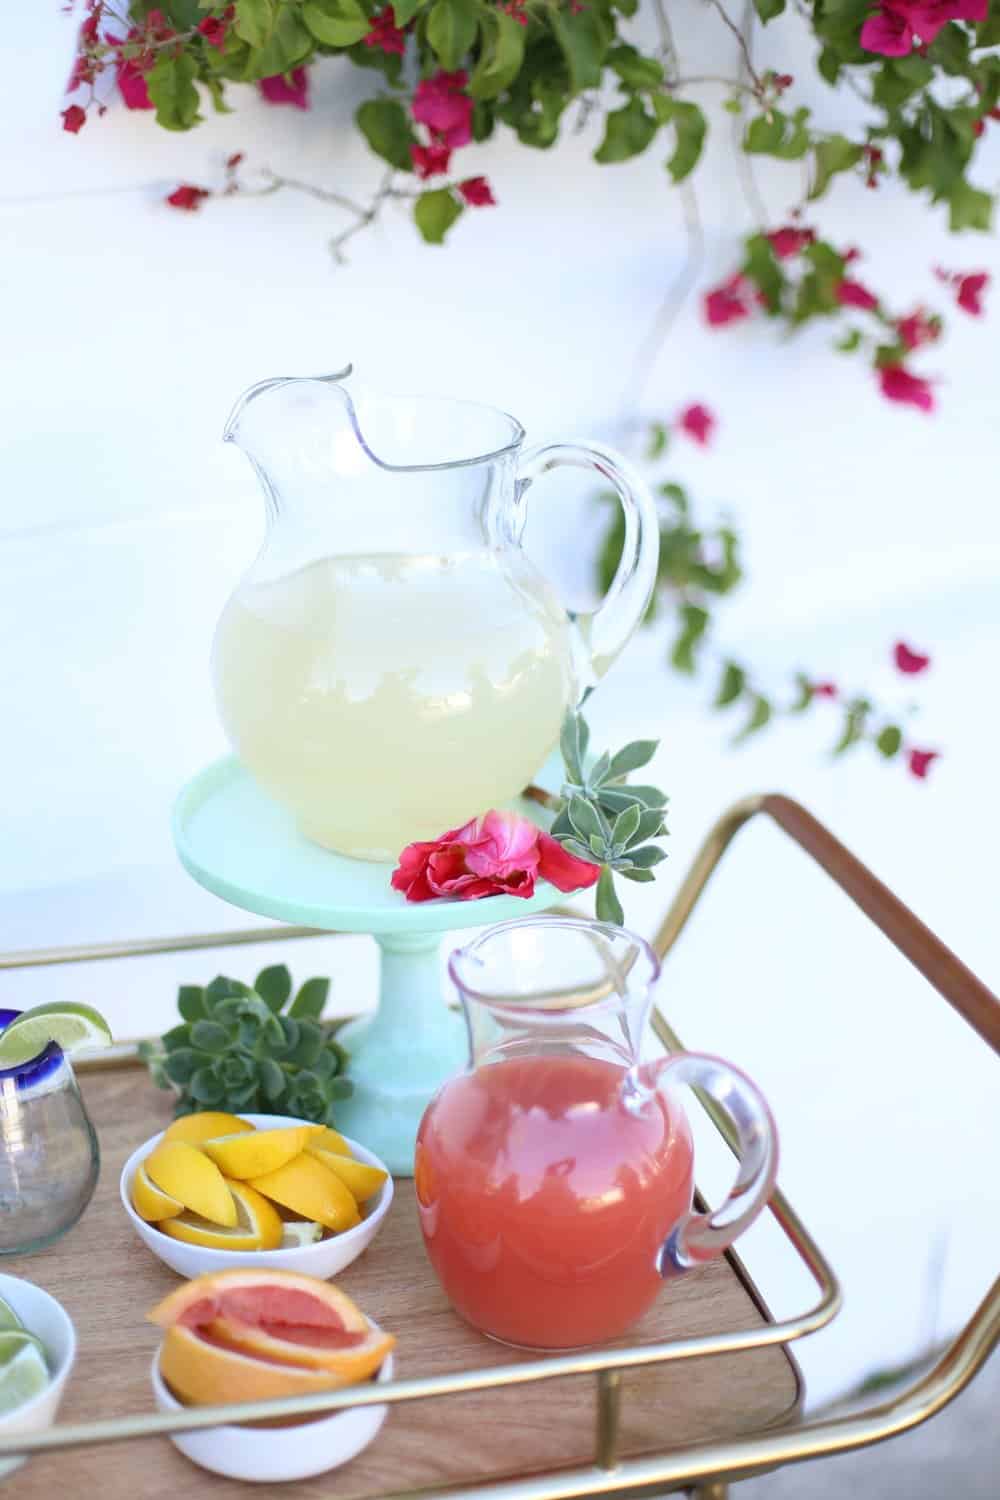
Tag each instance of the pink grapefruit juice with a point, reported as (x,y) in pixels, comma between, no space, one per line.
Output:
(544,1201)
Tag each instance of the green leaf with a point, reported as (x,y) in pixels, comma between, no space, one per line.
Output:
(254,21)
(806,693)
(290,43)
(777,134)
(731,687)
(762,268)
(386,127)
(583,39)
(223,988)
(336,23)
(310,1000)
(634,70)
(171,88)
(626,826)
(205,1087)
(648,857)
(584,818)
(855,718)
(273,985)
(271,1078)
(435,212)
(969,208)
(452,27)
(690,127)
(209,1036)
(899,79)
(180,1065)
(500,58)
(607,905)
(405,10)
(850,342)
(694,623)
(760,715)
(988,31)
(291,1031)
(617,797)
(659,437)
(637,874)
(829,65)
(632,757)
(191,1002)
(890,741)
(833,154)
(177,1036)
(677,496)
(627,133)
(573,742)
(768,9)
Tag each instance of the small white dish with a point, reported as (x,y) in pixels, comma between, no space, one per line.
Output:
(269,1455)
(324,1259)
(49,1321)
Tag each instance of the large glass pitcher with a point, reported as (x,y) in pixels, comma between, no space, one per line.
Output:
(393,663)
(554,1177)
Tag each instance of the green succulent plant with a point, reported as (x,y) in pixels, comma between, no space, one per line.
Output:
(605,820)
(238,1048)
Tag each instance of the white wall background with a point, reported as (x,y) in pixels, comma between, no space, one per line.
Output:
(128,328)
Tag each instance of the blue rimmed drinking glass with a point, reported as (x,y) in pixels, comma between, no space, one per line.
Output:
(49,1157)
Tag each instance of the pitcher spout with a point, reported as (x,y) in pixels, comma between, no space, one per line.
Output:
(231,431)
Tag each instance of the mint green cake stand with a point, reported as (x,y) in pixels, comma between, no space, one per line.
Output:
(241,846)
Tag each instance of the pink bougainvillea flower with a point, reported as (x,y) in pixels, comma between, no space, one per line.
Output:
(781,81)
(442,104)
(853,294)
(74,118)
(698,422)
(909,661)
(214,28)
(823,689)
(790,240)
(187,197)
(129,74)
(384,32)
(918,329)
(920,761)
(887,32)
(970,292)
(292,90)
(898,384)
(897,25)
(430,161)
(515,9)
(499,854)
(477,192)
(727,303)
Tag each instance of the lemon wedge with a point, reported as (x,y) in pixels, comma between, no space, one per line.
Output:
(260,1152)
(332,1140)
(362,1181)
(149,1202)
(309,1188)
(258,1228)
(297,1233)
(205,1126)
(187,1174)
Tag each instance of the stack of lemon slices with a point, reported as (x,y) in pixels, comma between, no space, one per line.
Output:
(217,1181)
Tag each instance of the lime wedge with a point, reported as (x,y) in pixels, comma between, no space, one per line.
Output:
(22,1377)
(13,1340)
(8,1317)
(73,1027)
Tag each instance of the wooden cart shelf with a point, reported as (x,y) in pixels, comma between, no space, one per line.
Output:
(107,1280)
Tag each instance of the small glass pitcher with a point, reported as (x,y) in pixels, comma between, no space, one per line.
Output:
(393,663)
(49,1157)
(554,1178)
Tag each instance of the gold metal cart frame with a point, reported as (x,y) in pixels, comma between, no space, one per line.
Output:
(706,1469)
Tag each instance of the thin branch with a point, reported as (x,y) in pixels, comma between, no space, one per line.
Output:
(744,45)
(744,166)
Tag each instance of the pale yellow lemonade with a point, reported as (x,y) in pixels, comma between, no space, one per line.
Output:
(389,698)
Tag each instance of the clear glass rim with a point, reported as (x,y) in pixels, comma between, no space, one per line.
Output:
(468,954)
(513,444)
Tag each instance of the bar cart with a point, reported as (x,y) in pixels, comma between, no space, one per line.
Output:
(706,1394)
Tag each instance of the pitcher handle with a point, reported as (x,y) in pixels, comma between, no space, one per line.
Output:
(609,627)
(696,1237)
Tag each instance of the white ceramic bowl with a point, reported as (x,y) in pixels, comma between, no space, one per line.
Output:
(271,1454)
(43,1316)
(324,1259)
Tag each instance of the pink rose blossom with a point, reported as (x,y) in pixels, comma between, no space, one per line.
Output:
(294,90)
(908,661)
(698,422)
(442,104)
(499,854)
(898,384)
